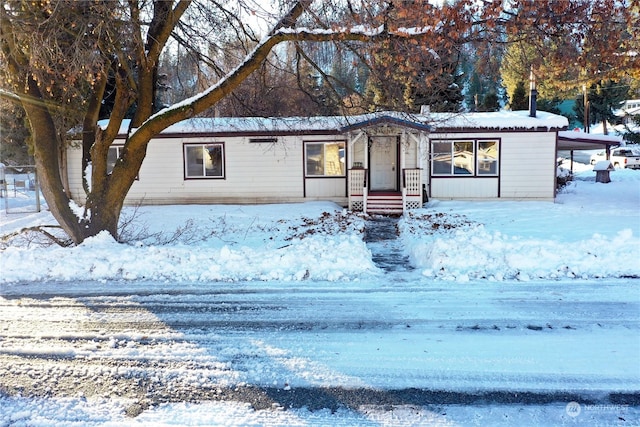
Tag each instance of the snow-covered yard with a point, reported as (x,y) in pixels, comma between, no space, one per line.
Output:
(592,231)
(530,297)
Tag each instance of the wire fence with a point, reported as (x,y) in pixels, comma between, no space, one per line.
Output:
(19,189)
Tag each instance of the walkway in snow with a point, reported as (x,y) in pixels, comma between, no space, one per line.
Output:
(381,235)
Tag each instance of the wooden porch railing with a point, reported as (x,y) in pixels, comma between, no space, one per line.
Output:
(412,181)
(412,188)
(358,190)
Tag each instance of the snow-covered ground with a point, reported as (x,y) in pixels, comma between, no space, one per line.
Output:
(591,231)
(92,413)
(477,265)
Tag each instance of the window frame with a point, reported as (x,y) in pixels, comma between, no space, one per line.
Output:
(477,162)
(495,160)
(203,145)
(342,145)
(118,149)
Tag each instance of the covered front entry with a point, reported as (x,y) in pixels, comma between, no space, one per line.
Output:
(383,171)
(385,168)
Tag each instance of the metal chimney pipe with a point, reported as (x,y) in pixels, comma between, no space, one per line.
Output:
(533,94)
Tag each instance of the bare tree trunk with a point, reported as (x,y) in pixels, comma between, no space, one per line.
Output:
(46,144)
(64,174)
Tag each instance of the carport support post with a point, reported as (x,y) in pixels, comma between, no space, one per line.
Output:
(571,158)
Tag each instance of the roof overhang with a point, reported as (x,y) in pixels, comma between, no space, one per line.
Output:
(382,120)
(572,140)
(502,121)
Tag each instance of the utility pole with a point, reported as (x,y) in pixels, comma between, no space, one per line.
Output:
(585,97)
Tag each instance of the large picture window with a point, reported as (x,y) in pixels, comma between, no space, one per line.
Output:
(464,158)
(204,160)
(324,159)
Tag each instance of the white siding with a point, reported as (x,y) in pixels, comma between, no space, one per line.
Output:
(254,173)
(358,153)
(410,150)
(528,165)
(74,162)
(527,168)
(274,172)
(464,188)
(323,188)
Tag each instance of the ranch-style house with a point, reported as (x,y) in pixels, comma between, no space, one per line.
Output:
(385,162)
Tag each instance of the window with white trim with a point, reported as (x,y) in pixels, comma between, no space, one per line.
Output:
(324,159)
(204,160)
(464,158)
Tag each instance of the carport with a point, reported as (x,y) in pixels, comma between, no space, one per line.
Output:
(576,140)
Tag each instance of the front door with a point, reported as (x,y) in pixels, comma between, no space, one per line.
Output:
(383,163)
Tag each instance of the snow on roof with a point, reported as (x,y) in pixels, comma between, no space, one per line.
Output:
(576,140)
(630,107)
(337,124)
(632,111)
(570,134)
(501,120)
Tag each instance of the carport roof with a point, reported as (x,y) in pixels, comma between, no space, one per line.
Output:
(573,140)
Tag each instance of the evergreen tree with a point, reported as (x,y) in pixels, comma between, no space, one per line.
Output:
(519,98)
(631,135)
(551,106)
(491,102)
(15,137)
(485,91)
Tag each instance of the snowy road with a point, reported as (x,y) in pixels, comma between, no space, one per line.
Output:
(326,345)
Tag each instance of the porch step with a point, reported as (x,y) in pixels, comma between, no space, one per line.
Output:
(385,203)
